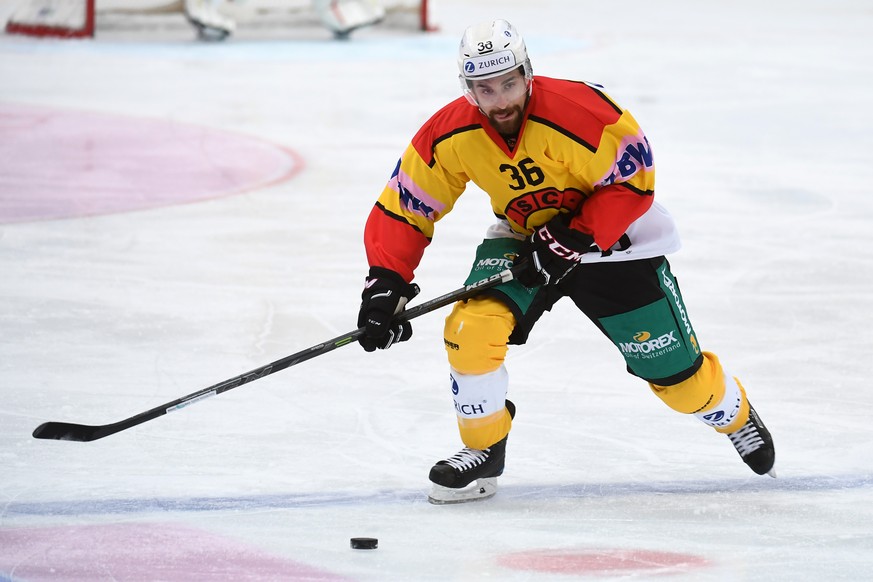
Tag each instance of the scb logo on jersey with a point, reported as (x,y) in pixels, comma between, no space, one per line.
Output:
(519,210)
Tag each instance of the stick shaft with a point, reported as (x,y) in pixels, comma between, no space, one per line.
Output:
(83,432)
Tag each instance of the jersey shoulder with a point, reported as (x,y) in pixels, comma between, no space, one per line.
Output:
(455,118)
(577,109)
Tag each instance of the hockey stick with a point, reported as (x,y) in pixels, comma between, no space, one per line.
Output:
(66,431)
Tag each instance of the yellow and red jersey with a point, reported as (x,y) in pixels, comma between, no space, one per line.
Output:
(577,152)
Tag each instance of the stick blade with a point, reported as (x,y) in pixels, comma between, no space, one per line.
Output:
(66,431)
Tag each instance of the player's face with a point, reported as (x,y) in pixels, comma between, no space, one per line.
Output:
(502,100)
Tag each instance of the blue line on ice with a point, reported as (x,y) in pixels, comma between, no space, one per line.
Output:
(810,484)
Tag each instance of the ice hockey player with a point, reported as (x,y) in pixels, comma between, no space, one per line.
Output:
(339,16)
(207,20)
(344,16)
(571,177)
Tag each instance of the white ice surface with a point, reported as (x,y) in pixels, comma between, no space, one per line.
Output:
(760,118)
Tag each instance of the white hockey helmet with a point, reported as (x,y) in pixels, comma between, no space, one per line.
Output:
(491,49)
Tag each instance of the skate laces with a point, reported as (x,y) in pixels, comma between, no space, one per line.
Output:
(747,439)
(467,458)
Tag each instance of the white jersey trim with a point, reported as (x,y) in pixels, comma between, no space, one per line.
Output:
(651,235)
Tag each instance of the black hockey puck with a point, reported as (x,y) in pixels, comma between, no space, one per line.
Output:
(365,543)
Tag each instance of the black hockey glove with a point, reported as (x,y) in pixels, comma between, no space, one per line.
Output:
(385,295)
(552,251)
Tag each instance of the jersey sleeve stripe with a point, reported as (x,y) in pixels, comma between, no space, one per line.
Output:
(414,196)
(563,131)
(605,97)
(636,190)
(399,218)
(428,156)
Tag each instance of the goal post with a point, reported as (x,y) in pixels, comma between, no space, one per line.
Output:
(58,18)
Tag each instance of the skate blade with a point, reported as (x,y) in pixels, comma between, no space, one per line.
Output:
(482,489)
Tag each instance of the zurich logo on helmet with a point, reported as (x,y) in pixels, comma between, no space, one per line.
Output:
(469,67)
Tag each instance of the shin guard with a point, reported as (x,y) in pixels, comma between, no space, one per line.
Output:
(480,404)
(711,395)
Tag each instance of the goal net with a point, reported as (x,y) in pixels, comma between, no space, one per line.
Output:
(85,18)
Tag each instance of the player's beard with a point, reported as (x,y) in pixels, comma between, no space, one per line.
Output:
(509,126)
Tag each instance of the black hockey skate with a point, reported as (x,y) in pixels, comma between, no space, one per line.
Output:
(452,476)
(755,445)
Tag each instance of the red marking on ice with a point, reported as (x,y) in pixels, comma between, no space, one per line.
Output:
(141,551)
(67,164)
(602,562)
